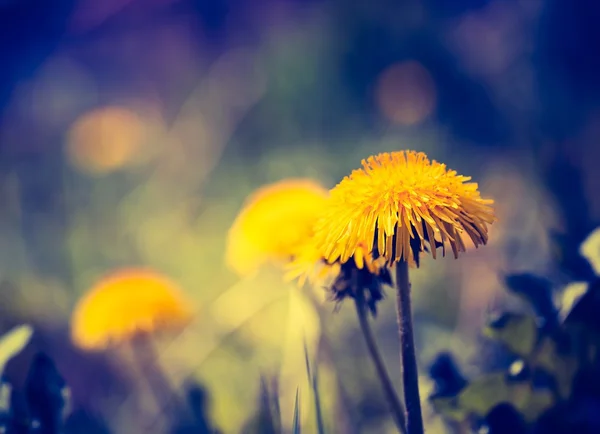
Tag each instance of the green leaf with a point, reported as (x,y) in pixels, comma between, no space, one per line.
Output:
(448,407)
(535,403)
(590,250)
(518,333)
(562,367)
(486,392)
(296,423)
(13,342)
(570,296)
(5,391)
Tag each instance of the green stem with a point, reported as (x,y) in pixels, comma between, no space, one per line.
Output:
(410,374)
(390,393)
(147,359)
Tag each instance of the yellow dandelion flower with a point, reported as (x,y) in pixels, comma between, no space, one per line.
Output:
(311,266)
(398,201)
(361,274)
(125,303)
(274,224)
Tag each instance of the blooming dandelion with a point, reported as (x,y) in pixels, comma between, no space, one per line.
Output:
(274,224)
(362,274)
(398,203)
(309,265)
(395,207)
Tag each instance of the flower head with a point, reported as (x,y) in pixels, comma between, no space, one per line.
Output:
(311,266)
(396,203)
(362,276)
(125,303)
(274,224)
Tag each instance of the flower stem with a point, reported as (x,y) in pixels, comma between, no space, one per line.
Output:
(410,374)
(147,359)
(395,405)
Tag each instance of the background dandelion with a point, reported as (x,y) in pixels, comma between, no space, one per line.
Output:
(126,303)
(126,310)
(275,224)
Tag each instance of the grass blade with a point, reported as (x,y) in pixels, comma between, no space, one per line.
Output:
(296,423)
(314,382)
(274,393)
(268,421)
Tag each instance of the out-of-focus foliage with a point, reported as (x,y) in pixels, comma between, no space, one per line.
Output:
(548,386)
(13,342)
(41,405)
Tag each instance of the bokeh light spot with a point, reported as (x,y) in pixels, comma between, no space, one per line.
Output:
(405,93)
(107,139)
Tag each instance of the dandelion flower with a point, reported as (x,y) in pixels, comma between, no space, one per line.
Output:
(362,274)
(274,224)
(310,265)
(396,203)
(125,303)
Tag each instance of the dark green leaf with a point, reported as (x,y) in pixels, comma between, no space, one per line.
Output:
(486,392)
(537,291)
(45,394)
(536,404)
(446,376)
(518,333)
(562,367)
(449,408)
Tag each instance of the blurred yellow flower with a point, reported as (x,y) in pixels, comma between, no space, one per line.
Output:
(125,303)
(274,225)
(361,275)
(310,265)
(395,203)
